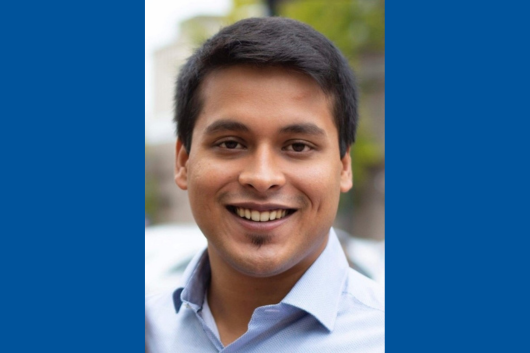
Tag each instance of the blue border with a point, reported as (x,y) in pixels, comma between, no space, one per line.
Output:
(72,177)
(457,176)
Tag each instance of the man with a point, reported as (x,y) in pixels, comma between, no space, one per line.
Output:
(266,113)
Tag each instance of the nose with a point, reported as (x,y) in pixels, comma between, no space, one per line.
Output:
(262,172)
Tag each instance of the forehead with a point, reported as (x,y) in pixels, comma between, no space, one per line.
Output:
(255,95)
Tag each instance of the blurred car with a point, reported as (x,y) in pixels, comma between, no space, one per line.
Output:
(367,256)
(170,247)
(168,250)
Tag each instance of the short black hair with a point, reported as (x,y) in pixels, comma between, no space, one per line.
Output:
(271,41)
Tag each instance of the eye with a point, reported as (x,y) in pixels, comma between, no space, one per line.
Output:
(230,145)
(298,147)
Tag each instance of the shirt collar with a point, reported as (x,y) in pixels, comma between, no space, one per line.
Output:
(319,290)
(327,273)
(194,282)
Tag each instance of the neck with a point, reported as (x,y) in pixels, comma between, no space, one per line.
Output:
(233,296)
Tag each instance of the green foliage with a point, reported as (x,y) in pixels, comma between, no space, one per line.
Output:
(198,29)
(246,8)
(365,154)
(355,26)
(150,192)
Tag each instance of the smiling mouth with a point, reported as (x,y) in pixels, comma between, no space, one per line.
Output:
(257,216)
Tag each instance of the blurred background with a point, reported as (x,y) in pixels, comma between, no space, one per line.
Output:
(173,29)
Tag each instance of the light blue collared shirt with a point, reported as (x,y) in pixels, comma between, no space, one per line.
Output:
(332,308)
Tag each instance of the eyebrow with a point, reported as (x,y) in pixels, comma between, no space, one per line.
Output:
(230,125)
(226,125)
(306,129)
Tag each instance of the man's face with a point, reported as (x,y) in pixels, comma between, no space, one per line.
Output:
(264,147)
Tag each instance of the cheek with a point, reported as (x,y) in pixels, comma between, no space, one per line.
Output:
(202,173)
(320,182)
(206,178)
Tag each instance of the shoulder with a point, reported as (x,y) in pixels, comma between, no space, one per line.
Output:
(159,307)
(361,291)
(360,322)
(172,331)
(158,300)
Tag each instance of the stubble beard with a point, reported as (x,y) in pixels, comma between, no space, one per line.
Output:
(259,240)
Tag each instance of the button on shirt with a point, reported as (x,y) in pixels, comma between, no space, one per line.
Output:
(332,308)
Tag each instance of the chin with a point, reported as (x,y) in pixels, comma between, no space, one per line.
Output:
(260,266)
(260,272)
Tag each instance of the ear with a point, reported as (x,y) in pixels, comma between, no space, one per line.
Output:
(181,166)
(346,175)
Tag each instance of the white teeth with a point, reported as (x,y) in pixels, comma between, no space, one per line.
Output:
(257,216)
(264,216)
